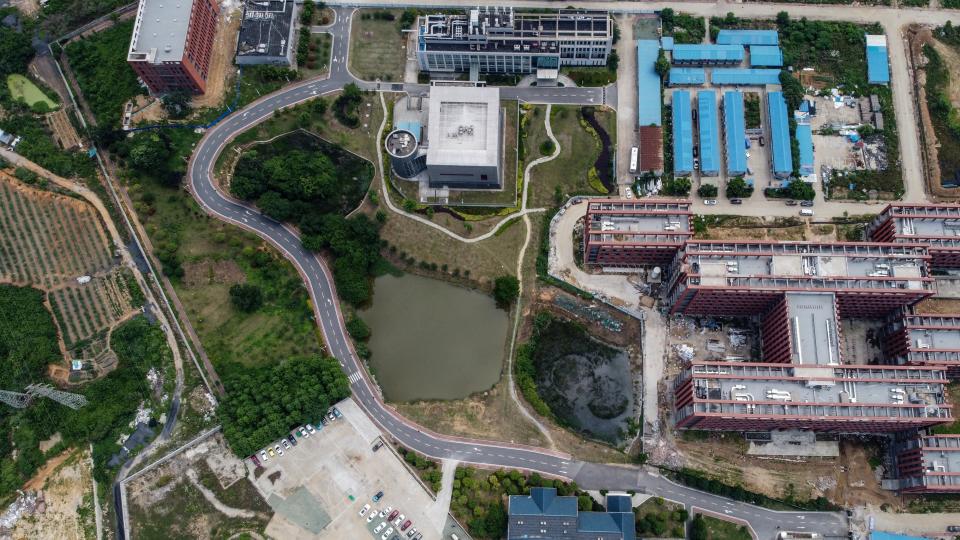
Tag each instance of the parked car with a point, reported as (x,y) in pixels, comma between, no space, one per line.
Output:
(387,534)
(378,496)
(406,524)
(411,532)
(761,141)
(380,527)
(336,412)
(323,420)
(303,433)
(736,201)
(263,456)
(331,417)
(806,212)
(399,520)
(710,202)
(696,163)
(806,203)
(286,445)
(791,202)
(310,429)
(372,516)
(271,452)
(255,461)
(393,514)
(278,450)
(953,528)
(419,536)
(363,510)
(378,446)
(385,511)
(292,439)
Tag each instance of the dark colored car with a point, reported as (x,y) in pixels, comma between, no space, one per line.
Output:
(336,413)
(806,203)
(392,515)
(378,446)
(378,496)
(292,439)
(761,141)
(255,461)
(953,528)
(405,525)
(791,202)
(736,201)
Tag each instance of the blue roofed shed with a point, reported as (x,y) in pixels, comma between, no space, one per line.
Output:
(543,514)
(748,37)
(805,141)
(779,134)
(687,76)
(682,134)
(709,133)
(667,43)
(766,55)
(734,128)
(745,77)
(707,54)
(878,67)
(648,83)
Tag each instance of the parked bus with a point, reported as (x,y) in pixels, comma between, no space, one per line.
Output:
(634,154)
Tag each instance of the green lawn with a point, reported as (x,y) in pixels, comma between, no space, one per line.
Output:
(377,47)
(22,88)
(719,529)
(659,518)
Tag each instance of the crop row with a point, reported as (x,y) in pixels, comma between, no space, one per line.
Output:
(84,310)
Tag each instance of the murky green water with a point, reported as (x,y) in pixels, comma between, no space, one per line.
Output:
(433,340)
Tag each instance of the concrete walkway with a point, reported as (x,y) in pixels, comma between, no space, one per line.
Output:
(437,513)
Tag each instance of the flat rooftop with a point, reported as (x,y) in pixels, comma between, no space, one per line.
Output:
(464,126)
(401,143)
(265,28)
(941,460)
(814,332)
(160,31)
(634,221)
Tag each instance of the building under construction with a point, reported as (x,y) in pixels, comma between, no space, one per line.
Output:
(633,233)
(928,464)
(924,340)
(937,225)
(855,399)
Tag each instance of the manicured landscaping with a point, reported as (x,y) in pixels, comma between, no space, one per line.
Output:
(378,45)
(710,528)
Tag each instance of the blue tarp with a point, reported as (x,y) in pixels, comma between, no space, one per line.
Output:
(878,68)
(709,133)
(745,77)
(779,134)
(766,55)
(707,54)
(805,141)
(734,128)
(682,134)
(667,43)
(648,83)
(747,37)
(883,535)
(686,75)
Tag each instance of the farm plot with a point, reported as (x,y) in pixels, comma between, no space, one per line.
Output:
(84,310)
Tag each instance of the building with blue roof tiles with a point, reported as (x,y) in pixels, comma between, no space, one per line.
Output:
(878,66)
(648,83)
(744,77)
(698,54)
(766,56)
(748,37)
(545,515)
(687,76)
(682,134)
(709,133)
(781,156)
(735,133)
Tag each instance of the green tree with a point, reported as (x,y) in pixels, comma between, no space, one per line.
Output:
(246,297)
(177,104)
(707,191)
(792,90)
(506,289)
(698,528)
(358,329)
(15,51)
(148,153)
(662,66)
(798,189)
(738,188)
(678,187)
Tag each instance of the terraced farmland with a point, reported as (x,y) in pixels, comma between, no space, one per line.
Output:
(48,241)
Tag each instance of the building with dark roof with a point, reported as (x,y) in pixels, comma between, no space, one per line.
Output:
(649,112)
(936,225)
(266,33)
(545,515)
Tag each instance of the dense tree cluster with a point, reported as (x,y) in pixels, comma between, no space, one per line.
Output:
(27,337)
(355,242)
(506,289)
(347,106)
(738,188)
(707,191)
(246,297)
(15,52)
(263,404)
(288,185)
(100,64)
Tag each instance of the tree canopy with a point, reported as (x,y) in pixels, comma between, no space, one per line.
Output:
(505,290)
(246,297)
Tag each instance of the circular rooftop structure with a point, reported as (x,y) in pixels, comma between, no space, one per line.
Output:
(401,143)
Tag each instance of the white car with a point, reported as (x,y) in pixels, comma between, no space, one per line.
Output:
(310,429)
(386,534)
(710,202)
(363,511)
(286,445)
(263,456)
(278,450)
(380,527)
(385,511)
(399,520)
(303,433)
(371,517)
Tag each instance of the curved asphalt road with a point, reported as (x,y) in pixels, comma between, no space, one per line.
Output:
(319,283)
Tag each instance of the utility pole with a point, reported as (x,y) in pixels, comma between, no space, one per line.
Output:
(15,399)
(74,401)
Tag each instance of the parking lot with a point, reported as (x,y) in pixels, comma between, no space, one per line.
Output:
(318,487)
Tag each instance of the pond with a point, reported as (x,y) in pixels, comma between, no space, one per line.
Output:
(433,340)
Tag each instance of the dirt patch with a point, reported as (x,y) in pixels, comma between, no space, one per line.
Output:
(66,492)
(63,131)
(221,74)
(51,442)
(27,7)
(207,272)
(938,306)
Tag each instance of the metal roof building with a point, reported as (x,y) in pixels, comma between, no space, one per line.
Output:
(682,134)
(707,54)
(878,69)
(745,77)
(709,133)
(805,141)
(544,514)
(766,56)
(734,130)
(748,37)
(648,83)
(779,134)
(687,76)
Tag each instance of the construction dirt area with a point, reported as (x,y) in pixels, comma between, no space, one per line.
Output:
(201,493)
(56,503)
(63,131)
(222,74)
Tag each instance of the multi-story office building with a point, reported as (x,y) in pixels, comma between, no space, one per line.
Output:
(928,464)
(751,396)
(499,40)
(630,233)
(924,340)
(172,43)
(936,225)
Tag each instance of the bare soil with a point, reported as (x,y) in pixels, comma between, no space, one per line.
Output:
(222,74)
(66,486)
(938,306)
(207,271)
(63,131)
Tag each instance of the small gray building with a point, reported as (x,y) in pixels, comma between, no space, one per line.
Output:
(267,33)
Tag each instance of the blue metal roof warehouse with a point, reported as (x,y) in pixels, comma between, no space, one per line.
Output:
(735,133)
(709,133)
(707,54)
(779,134)
(748,37)
(681,76)
(766,55)
(745,77)
(878,68)
(805,141)
(682,134)
(648,83)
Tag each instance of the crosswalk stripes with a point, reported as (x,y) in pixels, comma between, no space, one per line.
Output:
(354,377)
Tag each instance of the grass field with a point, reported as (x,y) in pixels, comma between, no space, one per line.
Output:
(22,88)
(377,46)
(719,529)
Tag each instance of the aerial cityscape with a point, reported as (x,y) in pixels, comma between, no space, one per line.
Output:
(448,271)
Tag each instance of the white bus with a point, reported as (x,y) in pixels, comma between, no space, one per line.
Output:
(634,153)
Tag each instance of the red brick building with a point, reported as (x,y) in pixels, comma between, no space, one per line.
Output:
(172,42)
(633,233)
(937,225)
(929,464)
(924,340)
(750,396)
